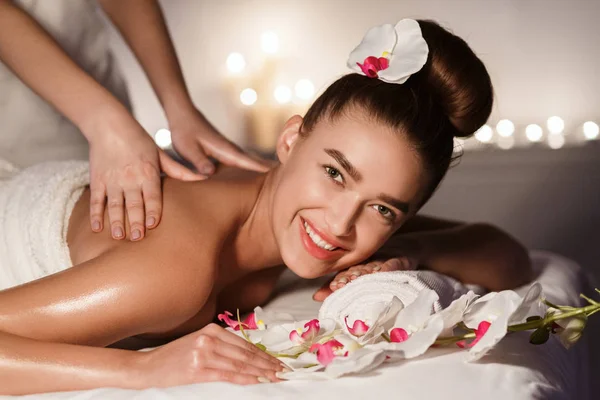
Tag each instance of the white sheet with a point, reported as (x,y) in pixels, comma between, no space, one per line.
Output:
(514,370)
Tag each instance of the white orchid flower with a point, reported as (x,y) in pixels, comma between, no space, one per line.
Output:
(368,327)
(308,366)
(569,330)
(491,314)
(256,323)
(453,314)
(414,329)
(391,53)
(295,338)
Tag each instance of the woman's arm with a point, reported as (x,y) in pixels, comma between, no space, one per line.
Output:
(472,253)
(47,325)
(31,366)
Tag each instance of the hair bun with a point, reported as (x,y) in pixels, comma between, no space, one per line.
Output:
(457,79)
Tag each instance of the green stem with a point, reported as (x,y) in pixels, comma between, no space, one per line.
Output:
(587,310)
(549,304)
(453,339)
(591,301)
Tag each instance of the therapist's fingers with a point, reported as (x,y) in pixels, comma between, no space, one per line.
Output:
(116,214)
(152,193)
(134,204)
(230,154)
(176,170)
(97,203)
(193,152)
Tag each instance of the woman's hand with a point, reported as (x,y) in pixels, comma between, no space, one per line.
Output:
(208,355)
(195,139)
(348,275)
(125,166)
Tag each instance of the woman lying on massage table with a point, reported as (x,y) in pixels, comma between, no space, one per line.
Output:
(353,172)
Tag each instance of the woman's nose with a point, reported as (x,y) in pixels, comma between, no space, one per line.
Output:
(341,215)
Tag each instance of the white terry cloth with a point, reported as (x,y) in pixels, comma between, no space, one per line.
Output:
(35,207)
(366,291)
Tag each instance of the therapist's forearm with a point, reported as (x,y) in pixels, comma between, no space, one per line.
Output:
(143,27)
(33,55)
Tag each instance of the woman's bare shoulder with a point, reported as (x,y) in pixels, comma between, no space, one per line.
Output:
(223,200)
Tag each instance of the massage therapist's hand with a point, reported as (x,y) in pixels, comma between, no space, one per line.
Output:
(195,139)
(350,274)
(208,355)
(125,166)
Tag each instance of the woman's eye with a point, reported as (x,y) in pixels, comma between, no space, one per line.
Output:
(385,212)
(334,174)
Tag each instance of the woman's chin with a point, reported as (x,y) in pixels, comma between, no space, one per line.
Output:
(306,273)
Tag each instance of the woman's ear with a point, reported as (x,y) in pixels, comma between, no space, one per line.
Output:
(288,138)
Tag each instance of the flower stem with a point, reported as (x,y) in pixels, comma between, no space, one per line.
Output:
(591,301)
(587,311)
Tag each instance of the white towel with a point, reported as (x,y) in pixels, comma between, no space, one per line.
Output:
(369,291)
(35,207)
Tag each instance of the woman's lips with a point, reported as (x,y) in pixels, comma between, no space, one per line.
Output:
(312,248)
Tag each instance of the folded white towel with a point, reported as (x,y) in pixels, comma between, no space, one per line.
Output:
(367,292)
(35,207)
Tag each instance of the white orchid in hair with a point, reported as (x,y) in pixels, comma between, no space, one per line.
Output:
(391,53)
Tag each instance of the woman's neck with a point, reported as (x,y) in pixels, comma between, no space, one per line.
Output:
(255,242)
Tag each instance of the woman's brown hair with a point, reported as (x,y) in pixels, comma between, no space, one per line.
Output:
(451,96)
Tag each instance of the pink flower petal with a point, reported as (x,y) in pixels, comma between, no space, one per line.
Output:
(370,66)
(312,329)
(325,352)
(250,322)
(226,318)
(295,337)
(383,63)
(398,335)
(480,331)
(359,328)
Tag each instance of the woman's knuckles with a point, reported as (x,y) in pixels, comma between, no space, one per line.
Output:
(205,342)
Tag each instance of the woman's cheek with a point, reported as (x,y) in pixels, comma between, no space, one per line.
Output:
(372,238)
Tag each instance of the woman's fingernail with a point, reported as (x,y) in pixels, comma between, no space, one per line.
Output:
(280,375)
(262,379)
(356,273)
(150,221)
(136,234)
(343,280)
(207,169)
(96,226)
(118,232)
(377,268)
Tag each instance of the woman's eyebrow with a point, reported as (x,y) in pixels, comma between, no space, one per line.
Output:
(343,161)
(353,172)
(399,204)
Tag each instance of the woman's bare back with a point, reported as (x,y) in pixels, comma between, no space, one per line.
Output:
(163,287)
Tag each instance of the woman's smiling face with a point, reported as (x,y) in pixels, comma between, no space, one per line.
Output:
(341,192)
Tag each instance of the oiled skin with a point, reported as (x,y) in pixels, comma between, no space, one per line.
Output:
(165,286)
